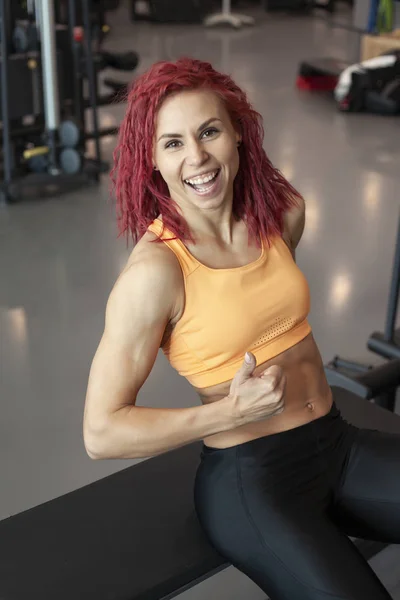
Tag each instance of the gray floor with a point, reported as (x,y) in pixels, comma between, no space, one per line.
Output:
(59,258)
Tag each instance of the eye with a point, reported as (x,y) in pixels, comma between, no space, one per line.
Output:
(211,131)
(171,144)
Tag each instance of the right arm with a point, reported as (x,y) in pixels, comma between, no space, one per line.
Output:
(138,311)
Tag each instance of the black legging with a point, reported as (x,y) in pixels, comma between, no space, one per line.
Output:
(280,508)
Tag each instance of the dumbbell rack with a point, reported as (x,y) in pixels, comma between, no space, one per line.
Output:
(54,179)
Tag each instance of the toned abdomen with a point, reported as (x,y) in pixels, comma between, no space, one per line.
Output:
(307,395)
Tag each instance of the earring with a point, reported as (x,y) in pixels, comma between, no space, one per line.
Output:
(155,168)
(239,143)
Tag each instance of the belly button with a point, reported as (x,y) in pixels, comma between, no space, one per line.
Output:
(310,405)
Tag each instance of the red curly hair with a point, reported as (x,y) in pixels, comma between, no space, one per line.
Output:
(261,194)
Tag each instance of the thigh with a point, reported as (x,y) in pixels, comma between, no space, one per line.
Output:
(368,501)
(308,558)
(286,548)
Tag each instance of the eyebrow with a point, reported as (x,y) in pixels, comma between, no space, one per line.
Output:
(179,135)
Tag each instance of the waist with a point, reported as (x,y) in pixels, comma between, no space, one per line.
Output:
(296,413)
(287,438)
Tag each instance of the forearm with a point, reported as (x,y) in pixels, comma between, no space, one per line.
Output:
(140,432)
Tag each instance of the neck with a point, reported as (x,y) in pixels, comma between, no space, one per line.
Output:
(213,225)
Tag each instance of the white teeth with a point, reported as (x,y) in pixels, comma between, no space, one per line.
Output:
(201,180)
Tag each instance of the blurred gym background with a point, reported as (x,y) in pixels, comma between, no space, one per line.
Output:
(331,126)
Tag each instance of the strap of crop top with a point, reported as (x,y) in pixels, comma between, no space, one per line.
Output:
(187,262)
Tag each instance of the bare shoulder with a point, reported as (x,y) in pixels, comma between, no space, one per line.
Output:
(155,268)
(157,257)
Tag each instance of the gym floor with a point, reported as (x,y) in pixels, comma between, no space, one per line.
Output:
(59,258)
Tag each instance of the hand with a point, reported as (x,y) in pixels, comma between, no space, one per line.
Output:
(255,398)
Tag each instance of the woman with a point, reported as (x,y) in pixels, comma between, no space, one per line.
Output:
(283,479)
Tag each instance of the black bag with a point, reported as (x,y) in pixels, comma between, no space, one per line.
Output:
(375,91)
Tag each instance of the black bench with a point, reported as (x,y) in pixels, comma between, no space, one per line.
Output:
(133,535)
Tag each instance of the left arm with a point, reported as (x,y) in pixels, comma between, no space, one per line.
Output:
(294,223)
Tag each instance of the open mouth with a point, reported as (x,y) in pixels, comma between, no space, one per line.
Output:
(204,185)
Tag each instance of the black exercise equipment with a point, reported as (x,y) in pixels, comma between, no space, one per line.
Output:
(97,17)
(376,383)
(47,83)
(25,37)
(5,35)
(115,85)
(70,158)
(37,158)
(25,34)
(123,61)
(387,343)
(132,535)
(69,133)
(24,86)
(54,86)
(71,161)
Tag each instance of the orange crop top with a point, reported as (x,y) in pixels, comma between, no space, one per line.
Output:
(261,307)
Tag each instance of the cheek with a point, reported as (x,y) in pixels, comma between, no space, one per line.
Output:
(170,168)
(228,153)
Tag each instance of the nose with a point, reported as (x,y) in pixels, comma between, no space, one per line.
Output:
(196,155)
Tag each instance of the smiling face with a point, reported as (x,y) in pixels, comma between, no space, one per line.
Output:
(196,149)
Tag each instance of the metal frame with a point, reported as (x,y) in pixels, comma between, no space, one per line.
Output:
(46,23)
(91,74)
(394,292)
(78,108)
(5,33)
(387,344)
(378,383)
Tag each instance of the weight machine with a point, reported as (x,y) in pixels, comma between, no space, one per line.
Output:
(362,379)
(48,78)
